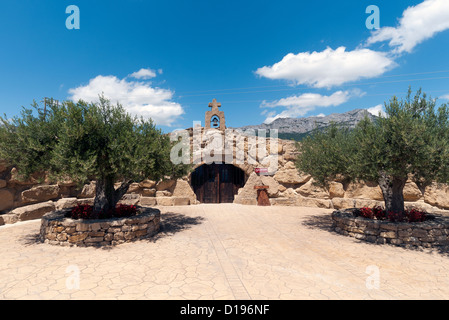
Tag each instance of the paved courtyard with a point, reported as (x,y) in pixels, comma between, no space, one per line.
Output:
(225,251)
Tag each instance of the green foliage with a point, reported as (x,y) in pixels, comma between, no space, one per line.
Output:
(326,153)
(84,141)
(28,141)
(411,140)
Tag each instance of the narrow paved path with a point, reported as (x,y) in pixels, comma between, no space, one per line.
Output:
(225,251)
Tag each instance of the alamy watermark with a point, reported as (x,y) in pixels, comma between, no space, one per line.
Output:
(73,20)
(73,280)
(232,146)
(373,280)
(373,20)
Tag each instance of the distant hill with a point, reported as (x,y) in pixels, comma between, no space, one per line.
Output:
(298,128)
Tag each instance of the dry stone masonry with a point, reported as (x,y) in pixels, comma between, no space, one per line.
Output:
(57,229)
(432,233)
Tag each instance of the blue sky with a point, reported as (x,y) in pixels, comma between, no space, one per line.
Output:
(260,59)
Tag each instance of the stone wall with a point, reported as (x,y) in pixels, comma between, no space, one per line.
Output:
(431,233)
(58,230)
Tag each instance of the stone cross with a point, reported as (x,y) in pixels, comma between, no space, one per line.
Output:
(214,105)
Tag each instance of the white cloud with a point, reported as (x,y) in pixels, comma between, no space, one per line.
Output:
(144,74)
(137,97)
(297,106)
(320,115)
(445,97)
(329,67)
(417,24)
(376,110)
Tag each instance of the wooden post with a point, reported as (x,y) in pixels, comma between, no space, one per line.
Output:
(262,196)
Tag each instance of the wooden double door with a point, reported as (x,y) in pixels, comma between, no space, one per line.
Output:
(217,183)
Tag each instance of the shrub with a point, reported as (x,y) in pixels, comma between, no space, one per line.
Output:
(87,212)
(377,213)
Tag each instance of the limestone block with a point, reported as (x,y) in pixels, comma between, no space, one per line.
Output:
(311,190)
(361,203)
(88,190)
(181,201)
(34,211)
(183,189)
(149,184)
(65,203)
(164,201)
(336,190)
(313,202)
(134,188)
(291,176)
(437,194)
(163,193)
(283,201)
(148,192)
(364,190)
(40,194)
(411,191)
(130,199)
(248,191)
(165,185)
(343,203)
(148,201)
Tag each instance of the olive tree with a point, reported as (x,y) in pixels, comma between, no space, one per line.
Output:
(411,141)
(85,142)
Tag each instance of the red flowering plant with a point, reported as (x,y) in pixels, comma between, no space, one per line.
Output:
(377,213)
(87,212)
(414,215)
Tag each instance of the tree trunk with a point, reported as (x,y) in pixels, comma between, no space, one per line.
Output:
(392,190)
(106,196)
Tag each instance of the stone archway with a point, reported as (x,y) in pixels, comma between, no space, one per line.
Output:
(217,183)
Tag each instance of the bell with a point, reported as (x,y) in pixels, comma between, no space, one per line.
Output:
(215,122)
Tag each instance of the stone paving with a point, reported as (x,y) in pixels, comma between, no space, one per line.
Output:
(226,251)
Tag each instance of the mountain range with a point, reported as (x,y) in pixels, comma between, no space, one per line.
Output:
(298,128)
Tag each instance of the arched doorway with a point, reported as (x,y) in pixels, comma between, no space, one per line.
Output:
(217,183)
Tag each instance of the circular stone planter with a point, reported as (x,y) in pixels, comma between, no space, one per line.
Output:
(57,229)
(431,233)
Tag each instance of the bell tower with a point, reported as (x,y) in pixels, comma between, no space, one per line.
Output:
(215,119)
